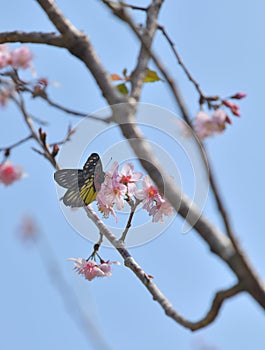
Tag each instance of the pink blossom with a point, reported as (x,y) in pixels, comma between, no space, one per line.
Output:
(162,208)
(5,56)
(90,269)
(207,125)
(21,58)
(112,192)
(129,178)
(149,194)
(153,202)
(103,206)
(5,96)
(9,173)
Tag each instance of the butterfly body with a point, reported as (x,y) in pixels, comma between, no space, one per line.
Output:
(82,185)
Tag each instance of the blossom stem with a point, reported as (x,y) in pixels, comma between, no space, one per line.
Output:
(8,148)
(133,206)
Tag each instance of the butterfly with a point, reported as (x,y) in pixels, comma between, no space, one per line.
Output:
(82,185)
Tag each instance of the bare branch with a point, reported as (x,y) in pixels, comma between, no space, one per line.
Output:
(80,46)
(18,143)
(218,242)
(134,7)
(181,63)
(139,73)
(68,110)
(217,302)
(32,37)
(220,297)
(21,105)
(172,84)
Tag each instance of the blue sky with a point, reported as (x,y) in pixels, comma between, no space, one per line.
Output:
(223,46)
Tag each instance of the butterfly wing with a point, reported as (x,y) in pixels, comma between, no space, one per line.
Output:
(82,185)
(72,198)
(89,185)
(67,177)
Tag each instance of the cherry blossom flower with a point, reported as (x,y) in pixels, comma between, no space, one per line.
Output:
(112,192)
(115,187)
(162,208)
(10,173)
(21,57)
(5,56)
(207,125)
(129,178)
(153,201)
(105,208)
(120,186)
(149,194)
(90,269)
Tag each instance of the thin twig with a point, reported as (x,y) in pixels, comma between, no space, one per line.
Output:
(73,112)
(212,180)
(217,302)
(181,63)
(21,105)
(10,147)
(133,7)
(133,205)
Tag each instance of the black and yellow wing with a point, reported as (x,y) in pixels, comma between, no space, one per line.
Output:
(82,185)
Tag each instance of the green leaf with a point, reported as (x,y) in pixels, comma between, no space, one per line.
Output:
(122,88)
(151,76)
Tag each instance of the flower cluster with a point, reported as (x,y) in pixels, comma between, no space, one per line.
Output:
(117,187)
(120,186)
(153,202)
(10,60)
(10,173)
(18,58)
(90,269)
(206,125)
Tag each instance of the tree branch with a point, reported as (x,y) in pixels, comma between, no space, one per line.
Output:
(218,242)
(139,73)
(121,14)
(32,37)
(217,303)
(220,297)
(80,46)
